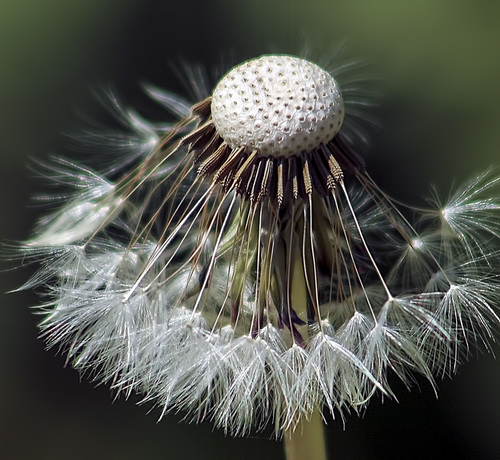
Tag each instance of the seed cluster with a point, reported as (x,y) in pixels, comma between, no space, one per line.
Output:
(279,105)
(251,272)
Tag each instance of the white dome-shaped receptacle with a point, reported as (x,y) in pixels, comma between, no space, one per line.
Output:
(279,105)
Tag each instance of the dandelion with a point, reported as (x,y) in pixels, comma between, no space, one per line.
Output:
(241,265)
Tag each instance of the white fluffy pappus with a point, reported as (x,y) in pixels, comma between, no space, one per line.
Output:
(252,286)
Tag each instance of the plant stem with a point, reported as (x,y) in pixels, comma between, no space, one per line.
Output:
(306,440)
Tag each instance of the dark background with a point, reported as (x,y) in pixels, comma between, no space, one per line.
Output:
(439,65)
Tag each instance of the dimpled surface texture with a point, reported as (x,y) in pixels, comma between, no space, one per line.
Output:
(280,105)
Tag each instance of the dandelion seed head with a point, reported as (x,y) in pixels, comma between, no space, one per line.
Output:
(279,105)
(243,267)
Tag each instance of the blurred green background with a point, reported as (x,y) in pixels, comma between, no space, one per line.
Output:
(439,67)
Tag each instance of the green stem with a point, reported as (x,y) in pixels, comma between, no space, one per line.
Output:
(305,441)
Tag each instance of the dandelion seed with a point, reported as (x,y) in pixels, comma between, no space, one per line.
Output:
(243,267)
